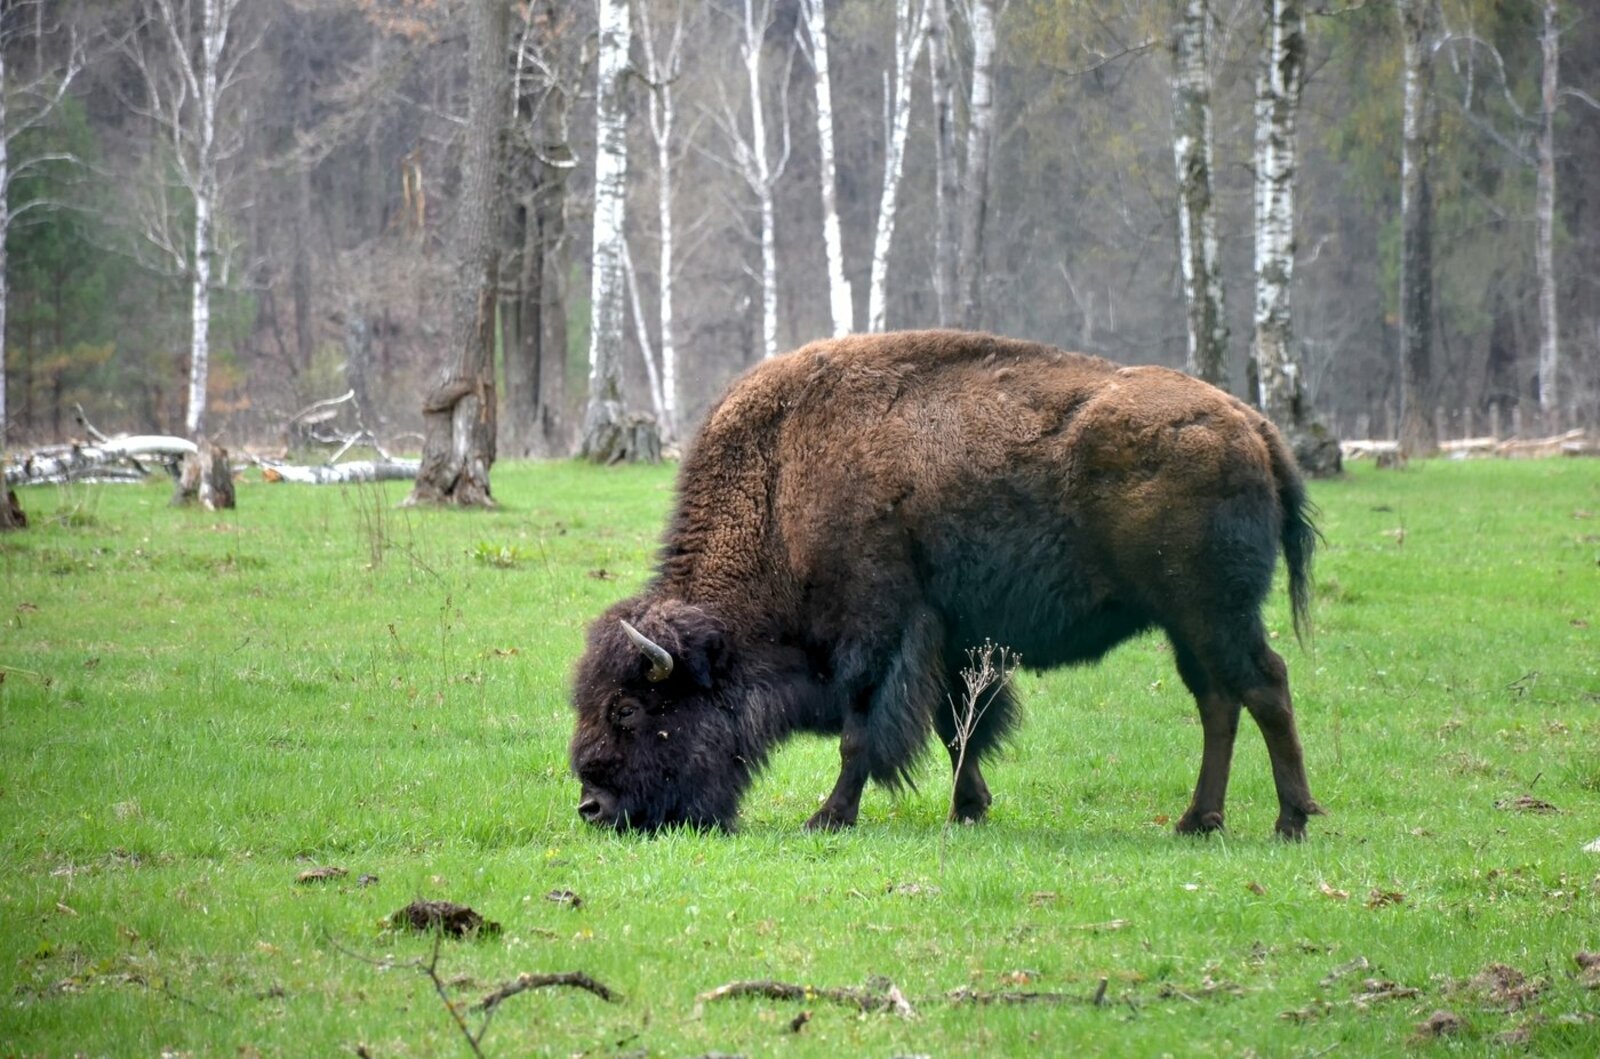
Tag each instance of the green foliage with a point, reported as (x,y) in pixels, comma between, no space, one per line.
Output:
(502,556)
(196,708)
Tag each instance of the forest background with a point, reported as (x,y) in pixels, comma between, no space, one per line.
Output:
(331,179)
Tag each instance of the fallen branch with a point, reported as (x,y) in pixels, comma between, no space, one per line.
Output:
(524,982)
(890,999)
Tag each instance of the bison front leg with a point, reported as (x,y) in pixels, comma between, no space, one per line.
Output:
(844,803)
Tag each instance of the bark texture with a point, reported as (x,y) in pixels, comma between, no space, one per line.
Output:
(459,415)
(946,178)
(841,304)
(1197,227)
(606,429)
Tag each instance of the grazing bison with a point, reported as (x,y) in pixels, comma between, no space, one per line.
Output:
(853,516)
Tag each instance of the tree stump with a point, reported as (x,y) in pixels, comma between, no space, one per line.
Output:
(636,439)
(1316,450)
(12,517)
(205,476)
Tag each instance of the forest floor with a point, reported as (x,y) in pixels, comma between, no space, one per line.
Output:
(201,710)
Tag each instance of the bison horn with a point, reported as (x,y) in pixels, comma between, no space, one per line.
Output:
(660,660)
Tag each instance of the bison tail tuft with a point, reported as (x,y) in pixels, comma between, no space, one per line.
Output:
(1299,534)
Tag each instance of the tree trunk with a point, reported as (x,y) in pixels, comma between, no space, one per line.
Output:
(205,477)
(946,180)
(840,301)
(1280,384)
(1197,228)
(975,192)
(459,415)
(1545,207)
(910,26)
(5,228)
(550,213)
(604,422)
(1416,229)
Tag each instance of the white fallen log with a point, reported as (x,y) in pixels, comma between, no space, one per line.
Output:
(1358,449)
(341,473)
(72,463)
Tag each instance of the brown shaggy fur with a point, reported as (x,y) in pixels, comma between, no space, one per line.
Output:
(853,516)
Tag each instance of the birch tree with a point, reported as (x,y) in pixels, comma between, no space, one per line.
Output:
(946,178)
(753,161)
(813,35)
(1278,87)
(1418,22)
(604,424)
(1280,389)
(24,105)
(975,188)
(459,414)
(187,78)
(1197,227)
(1545,212)
(663,65)
(910,30)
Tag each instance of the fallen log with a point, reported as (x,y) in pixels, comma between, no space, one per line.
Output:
(356,471)
(71,463)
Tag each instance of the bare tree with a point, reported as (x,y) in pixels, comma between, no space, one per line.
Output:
(24,104)
(946,180)
(752,158)
(459,414)
(604,422)
(1545,212)
(1197,225)
(661,69)
(975,191)
(910,30)
(187,77)
(1418,22)
(813,35)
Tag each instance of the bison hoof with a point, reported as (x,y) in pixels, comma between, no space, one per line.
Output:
(1291,825)
(969,812)
(826,819)
(1196,823)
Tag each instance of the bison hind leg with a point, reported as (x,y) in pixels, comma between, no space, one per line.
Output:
(970,732)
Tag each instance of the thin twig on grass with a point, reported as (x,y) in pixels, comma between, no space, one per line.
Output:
(524,982)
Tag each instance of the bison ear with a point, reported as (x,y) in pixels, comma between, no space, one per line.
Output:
(696,641)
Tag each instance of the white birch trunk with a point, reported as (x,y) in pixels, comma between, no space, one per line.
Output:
(762,179)
(1282,76)
(603,418)
(213,38)
(910,27)
(1197,228)
(1545,208)
(661,72)
(975,190)
(946,181)
(841,304)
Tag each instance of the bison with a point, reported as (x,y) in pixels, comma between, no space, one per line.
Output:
(855,515)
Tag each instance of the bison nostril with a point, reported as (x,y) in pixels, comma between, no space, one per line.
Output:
(590,809)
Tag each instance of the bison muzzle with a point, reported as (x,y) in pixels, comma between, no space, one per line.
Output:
(855,515)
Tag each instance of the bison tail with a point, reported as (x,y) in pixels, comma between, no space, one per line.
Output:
(1298,535)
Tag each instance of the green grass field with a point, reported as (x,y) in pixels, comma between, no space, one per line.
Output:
(196,708)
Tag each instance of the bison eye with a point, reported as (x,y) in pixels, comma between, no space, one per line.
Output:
(627,714)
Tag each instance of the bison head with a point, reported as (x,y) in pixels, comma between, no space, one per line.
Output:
(657,741)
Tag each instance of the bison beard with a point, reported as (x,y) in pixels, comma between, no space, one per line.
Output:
(854,515)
